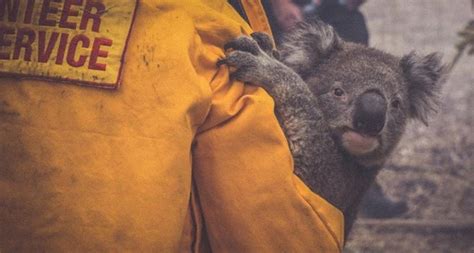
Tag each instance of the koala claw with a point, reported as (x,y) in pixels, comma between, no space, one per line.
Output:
(238,59)
(252,64)
(244,43)
(266,44)
(221,62)
(245,64)
(264,41)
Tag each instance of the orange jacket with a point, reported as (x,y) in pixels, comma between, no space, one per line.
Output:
(177,159)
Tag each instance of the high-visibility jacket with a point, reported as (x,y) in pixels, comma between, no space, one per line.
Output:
(177,159)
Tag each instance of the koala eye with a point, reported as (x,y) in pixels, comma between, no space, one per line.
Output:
(395,104)
(338,92)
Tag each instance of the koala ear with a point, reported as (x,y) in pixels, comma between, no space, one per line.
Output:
(424,78)
(307,44)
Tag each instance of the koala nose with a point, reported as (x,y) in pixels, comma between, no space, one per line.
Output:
(369,116)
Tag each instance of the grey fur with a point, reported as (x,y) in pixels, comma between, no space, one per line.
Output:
(314,62)
(422,73)
(300,55)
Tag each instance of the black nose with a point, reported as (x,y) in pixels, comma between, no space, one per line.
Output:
(369,116)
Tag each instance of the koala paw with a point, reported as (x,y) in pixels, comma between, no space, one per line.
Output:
(252,58)
(265,42)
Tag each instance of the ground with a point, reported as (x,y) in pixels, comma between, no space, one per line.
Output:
(433,167)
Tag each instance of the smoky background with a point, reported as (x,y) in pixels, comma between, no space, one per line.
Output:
(432,169)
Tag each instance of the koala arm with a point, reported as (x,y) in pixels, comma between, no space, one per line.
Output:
(313,149)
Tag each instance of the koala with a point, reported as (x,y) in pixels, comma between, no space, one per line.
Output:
(343,106)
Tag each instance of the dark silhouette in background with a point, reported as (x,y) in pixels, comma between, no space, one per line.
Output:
(348,21)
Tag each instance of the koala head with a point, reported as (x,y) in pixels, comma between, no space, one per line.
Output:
(367,96)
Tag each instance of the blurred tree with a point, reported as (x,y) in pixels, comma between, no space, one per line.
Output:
(467,42)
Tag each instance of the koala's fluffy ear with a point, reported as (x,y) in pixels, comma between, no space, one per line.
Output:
(424,78)
(307,44)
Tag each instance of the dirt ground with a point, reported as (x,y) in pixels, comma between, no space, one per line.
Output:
(433,167)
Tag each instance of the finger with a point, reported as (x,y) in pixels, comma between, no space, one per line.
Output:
(263,40)
(243,75)
(221,62)
(243,43)
(276,54)
(240,59)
